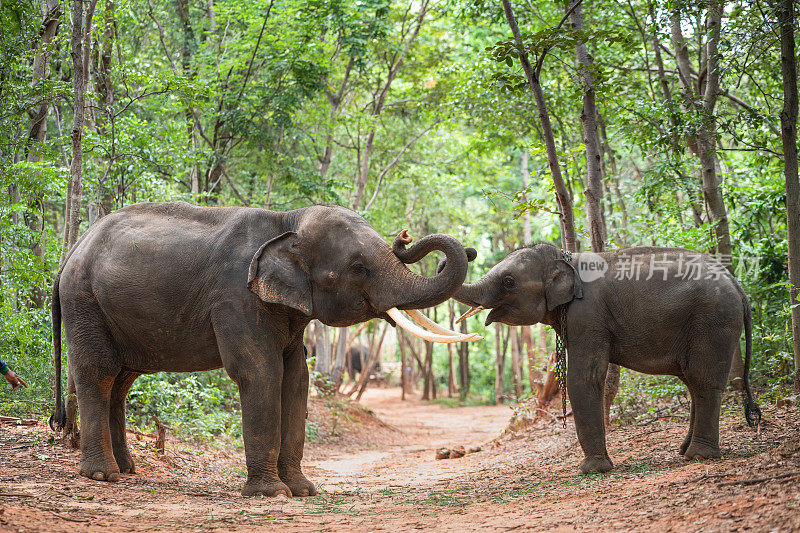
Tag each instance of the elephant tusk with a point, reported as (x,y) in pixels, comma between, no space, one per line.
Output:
(417,331)
(429,324)
(473,311)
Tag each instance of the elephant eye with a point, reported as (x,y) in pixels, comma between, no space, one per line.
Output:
(509,282)
(359,268)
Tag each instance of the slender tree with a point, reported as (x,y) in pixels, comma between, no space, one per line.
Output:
(568,238)
(81,30)
(789,135)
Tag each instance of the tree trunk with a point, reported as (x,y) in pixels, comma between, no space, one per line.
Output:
(530,350)
(704,142)
(789,135)
(463,365)
(81,27)
(594,182)
(380,100)
(337,372)
(527,238)
(549,388)
(323,349)
(516,362)
(101,202)
(499,365)
(568,238)
(51,21)
(374,355)
(452,388)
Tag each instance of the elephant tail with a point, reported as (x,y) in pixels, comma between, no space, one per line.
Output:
(752,413)
(58,419)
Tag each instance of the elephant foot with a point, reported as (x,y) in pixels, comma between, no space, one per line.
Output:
(125,464)
(700,451)
(596,464)
(99,470)
(299,485)
(268,488)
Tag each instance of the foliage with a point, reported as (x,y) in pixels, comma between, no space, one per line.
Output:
(274,103)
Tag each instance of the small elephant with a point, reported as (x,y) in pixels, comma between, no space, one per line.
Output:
(653,310)
(356,358)
(178,288)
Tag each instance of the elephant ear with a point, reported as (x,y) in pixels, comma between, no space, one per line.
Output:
(278,276)
(563,286)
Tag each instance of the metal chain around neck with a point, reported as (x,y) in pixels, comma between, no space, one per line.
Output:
(561,351)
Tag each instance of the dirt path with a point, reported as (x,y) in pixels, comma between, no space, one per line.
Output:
(387,479)
(424,427)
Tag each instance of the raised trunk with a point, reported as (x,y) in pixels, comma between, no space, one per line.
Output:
(419,292)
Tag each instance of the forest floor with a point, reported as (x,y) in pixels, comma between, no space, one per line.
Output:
(380,474)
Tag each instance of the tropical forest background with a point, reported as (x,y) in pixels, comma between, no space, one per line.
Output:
(417,114)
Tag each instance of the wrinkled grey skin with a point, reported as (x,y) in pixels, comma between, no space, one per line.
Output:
(178,288)
(681,327)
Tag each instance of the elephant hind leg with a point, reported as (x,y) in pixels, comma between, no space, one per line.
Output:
(703,438)
(706,377)
(94,366)
(688,439)
(119,440)
(94,386)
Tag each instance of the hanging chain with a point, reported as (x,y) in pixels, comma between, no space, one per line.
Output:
(561,360)
(561,352)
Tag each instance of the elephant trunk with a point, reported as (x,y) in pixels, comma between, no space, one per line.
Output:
(474,294)
(411,291)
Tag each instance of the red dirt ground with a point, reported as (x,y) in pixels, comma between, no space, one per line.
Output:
(376,476)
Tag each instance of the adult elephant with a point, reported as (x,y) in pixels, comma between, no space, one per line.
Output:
(653,310)
(179,288)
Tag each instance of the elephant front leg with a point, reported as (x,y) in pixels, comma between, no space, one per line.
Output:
(261,430)
(586,375)
(252,355)
(294,403)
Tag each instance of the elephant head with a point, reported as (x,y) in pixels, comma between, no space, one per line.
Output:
(524,287)
(333,266)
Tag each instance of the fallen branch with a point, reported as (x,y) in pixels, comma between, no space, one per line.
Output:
(657,418)
(755,480)
(18,421)
(768,421)
(16,494)
(548,413)
(699,478)
(68,519)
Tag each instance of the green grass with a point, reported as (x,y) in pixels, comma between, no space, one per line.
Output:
(470,401)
